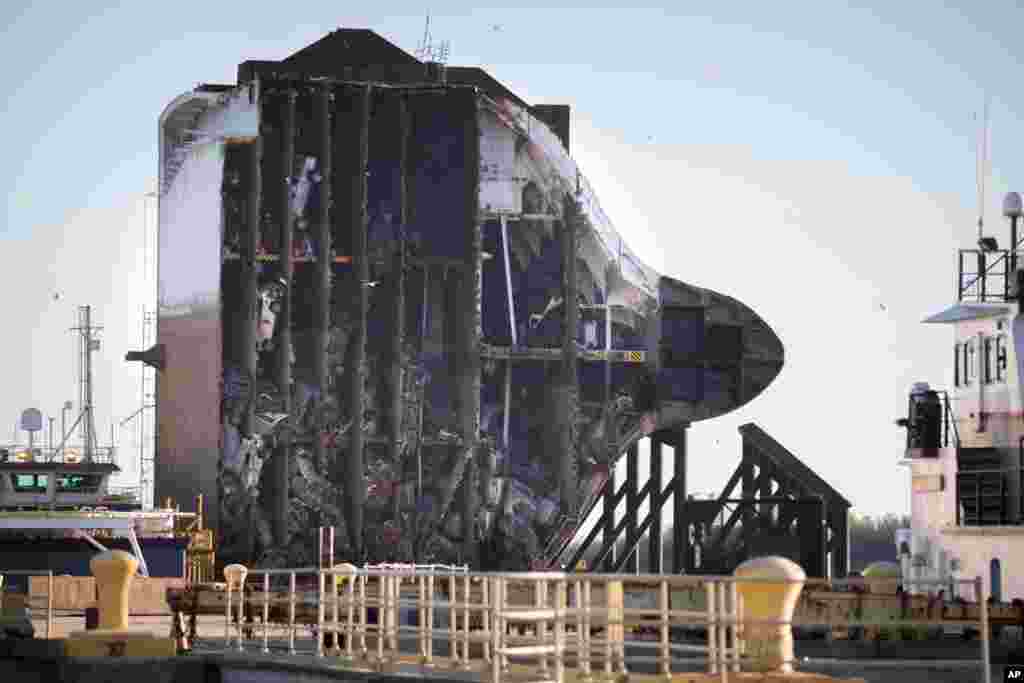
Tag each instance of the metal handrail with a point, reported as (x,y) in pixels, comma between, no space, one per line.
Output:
(558,609)
(981,276)
(949,421)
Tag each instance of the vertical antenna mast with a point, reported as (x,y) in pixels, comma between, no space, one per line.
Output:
(86,345)
(425,43)
(432,52)
(981,153)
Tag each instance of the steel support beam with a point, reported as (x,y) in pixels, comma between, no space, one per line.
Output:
(352,135)
(680,521)
(250,306)
(740,512)
(284,322)
(811,530)
(424,313)
(250,277)
(633,499)
(654,541)
(657,498)
(468,331)
(611,501)
(764,484)
(324,267)
(747,463)
(398,331)
(608,549)
(602,525)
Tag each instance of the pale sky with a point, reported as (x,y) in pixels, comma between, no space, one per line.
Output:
(813,160)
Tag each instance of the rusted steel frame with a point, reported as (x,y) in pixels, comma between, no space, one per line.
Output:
(422,393)
(398,335)
(250,303)
(282,459)
(469,332)
(324,266)
(355,487)
(250,276)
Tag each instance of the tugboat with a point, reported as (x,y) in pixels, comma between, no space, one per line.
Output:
(57,508)
(965,445)
(30,479)
(55,513)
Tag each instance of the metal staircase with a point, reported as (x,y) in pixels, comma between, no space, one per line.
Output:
(983,488)
(556,551)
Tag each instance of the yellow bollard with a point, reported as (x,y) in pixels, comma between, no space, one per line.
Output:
(114,571)
(341,571)
(770,646)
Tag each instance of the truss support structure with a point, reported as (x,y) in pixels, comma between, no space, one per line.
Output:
(783,508)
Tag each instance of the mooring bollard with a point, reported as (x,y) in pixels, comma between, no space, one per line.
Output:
(114,571)
(343,572)
(772,598)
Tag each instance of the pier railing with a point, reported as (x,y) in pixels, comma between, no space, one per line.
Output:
(541,623)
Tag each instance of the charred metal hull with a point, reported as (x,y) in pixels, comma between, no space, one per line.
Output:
(381,342)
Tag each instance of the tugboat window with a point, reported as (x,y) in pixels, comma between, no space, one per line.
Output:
(966,373)
(30,483)
(1001,358)
(78,483)
(987,369)
(957,370)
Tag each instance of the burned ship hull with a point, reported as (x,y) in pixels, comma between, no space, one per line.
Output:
(363,324)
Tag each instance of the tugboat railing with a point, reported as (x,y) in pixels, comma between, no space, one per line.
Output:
(978,289)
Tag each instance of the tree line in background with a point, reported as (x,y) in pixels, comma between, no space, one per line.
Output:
(873,539)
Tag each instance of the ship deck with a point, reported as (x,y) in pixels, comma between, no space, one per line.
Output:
(83,524)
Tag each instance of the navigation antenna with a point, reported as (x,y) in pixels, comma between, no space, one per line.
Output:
(431,52)
(87,344)
(981,161)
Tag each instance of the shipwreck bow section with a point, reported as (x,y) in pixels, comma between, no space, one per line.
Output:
(364,277)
